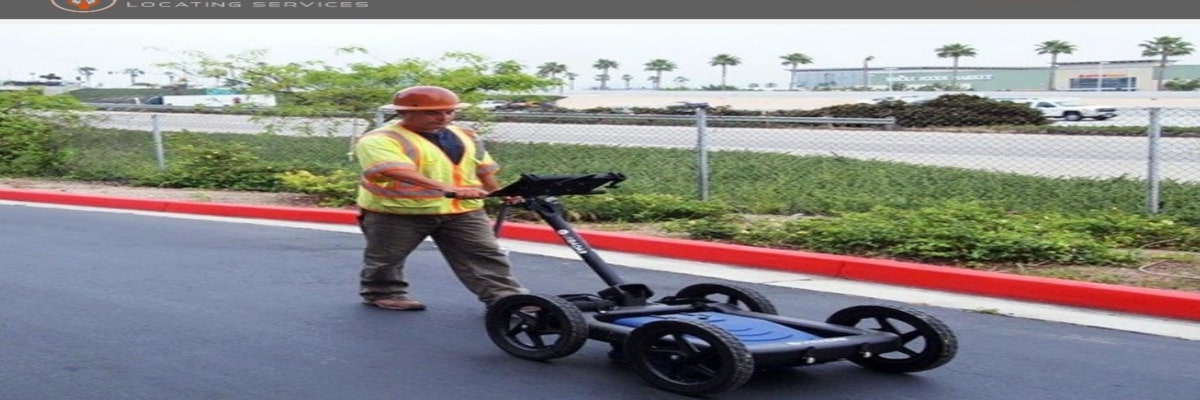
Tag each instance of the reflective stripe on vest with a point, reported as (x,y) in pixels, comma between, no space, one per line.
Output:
(398,196)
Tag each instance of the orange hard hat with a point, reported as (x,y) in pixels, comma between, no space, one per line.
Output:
(425,98)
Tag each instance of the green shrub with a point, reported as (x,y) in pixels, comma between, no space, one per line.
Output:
(968,233)
(33,131)
(207,164)
(954,232)
(28,147)
(641,208)
(336,189)
(1126,230)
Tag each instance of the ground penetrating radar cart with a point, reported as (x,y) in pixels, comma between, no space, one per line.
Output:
(707,337)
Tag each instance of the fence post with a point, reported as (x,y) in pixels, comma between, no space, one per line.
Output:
(701,147)
(380,117)
(1154,163)
(159,154)
(354,135)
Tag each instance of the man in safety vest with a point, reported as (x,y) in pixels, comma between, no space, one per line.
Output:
(423,177)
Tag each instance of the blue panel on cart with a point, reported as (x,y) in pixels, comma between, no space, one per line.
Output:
(748,330)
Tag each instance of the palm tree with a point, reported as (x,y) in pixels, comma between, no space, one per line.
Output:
(627,78)
(681,81)
(654,80)
(866,75)
(602,78)
(793,60)
(133,74)
(551,70)
(507,67)
(955,51)
(658,66)
(724,61)
(1054,48)
(604,65)
(571,77)
(1165,47)
(87,73)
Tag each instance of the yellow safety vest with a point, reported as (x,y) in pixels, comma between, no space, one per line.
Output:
(392,147)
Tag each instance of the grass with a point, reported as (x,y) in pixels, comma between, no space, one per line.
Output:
(766,183)
(755,183)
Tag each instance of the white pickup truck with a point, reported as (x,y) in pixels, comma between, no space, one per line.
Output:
(1069,110)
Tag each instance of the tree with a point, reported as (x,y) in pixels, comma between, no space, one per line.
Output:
(507,67)
(604,65)
(866,75)
(627,78)
(1182,85)
(1165,47)
(724,61)
(654,80)
(571,77)
(955,51)
(551,70)
(316,88)
(1054,48)
(87,73)
(793,60)
(602,78)
(50,77)
(681,81)
(133,74)
(658,66)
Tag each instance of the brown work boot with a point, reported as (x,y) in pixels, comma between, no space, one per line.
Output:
(403,304)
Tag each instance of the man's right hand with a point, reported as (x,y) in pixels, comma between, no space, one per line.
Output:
(466,193)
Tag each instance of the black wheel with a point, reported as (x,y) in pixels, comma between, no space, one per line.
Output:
(741,297)
(536,327)
(688,357)
(925,342)
(1073,116)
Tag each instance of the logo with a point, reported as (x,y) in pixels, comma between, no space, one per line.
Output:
(574,243)
(83,6)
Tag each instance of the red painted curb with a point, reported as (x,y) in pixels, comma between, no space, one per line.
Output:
(298,214)
(1152,302)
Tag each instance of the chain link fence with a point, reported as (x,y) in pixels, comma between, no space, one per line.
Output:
(1153,145)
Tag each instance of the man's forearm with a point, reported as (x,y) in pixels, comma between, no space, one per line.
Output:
(415,178)
(490,183)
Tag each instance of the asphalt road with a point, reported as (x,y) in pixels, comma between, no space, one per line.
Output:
(118,305)
(1042,155)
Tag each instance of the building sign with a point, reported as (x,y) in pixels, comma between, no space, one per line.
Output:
(1106,76)
(938,78)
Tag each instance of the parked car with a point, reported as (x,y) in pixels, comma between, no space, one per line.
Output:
(914,99)
(1070,110)
(491,104)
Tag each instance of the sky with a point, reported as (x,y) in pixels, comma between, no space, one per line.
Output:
(57,46)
